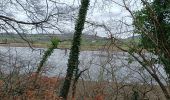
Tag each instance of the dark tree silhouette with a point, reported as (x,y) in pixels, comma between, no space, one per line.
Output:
(75,49)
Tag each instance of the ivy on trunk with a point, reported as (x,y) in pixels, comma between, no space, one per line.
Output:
(75,49)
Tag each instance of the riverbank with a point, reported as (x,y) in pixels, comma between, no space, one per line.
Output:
(61,46)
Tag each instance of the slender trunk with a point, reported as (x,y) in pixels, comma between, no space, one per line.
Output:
(75,49)
(163,87)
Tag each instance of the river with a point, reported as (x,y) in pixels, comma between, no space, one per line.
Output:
(100,65)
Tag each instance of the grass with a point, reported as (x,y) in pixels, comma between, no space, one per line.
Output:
(43,41)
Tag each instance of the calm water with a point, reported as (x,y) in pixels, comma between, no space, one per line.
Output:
(100,65)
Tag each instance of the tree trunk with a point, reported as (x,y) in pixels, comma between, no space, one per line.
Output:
(75,49)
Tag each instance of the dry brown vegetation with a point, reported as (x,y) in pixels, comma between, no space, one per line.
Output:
(27,89)
(47,88)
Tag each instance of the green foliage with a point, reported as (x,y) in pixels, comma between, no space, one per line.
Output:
(54,42)
(153,23)
(48,52)
(130,60)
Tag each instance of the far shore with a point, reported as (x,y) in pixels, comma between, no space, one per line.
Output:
(45,45)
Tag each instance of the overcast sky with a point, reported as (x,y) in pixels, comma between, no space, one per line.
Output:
(100,11)
(108,12)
